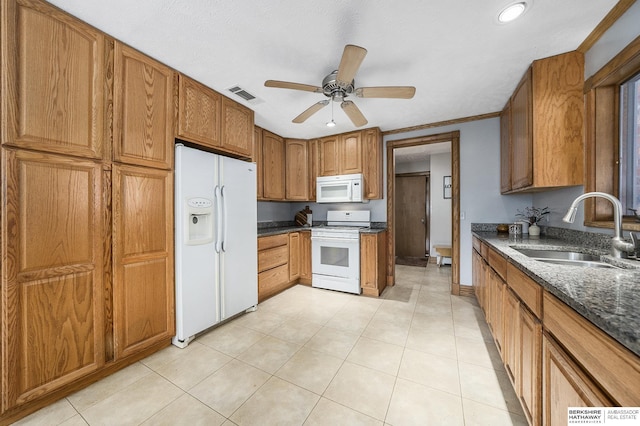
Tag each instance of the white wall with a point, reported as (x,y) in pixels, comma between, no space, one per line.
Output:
(440,214)
(413,166)
(480,199)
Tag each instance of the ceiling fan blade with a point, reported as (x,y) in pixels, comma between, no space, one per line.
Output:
(352,57)
(294,86)
(310,111)
(354,113)
(398,92)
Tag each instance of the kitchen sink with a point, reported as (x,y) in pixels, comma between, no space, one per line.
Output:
(567,258)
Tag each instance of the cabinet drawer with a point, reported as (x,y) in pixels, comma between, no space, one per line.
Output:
(498,263)
(272,257)
(273,278)
(613,366)
(272,241)
(526,289)
(476,244)
(484,249)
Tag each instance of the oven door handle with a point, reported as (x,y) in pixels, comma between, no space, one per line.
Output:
(334,239)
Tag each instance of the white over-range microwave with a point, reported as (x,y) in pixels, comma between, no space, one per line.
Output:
(339,189)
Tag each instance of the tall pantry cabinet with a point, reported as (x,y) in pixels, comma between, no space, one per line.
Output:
(86,212)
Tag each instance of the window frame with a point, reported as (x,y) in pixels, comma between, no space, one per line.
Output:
(602,135)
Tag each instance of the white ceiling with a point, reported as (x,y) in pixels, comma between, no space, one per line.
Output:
(461,61)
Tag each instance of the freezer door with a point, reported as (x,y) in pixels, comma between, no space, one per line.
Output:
(196,264)
(239,257)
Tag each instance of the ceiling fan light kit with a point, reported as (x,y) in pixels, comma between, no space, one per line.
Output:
(338,85)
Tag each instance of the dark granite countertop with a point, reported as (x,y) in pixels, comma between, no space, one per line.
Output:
(608,297)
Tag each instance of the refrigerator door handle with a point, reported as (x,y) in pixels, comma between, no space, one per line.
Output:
(218,198)
(224,218)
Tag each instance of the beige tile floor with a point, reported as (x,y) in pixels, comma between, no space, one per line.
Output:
(416,356)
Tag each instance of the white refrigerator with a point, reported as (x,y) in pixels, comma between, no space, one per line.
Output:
(216,264)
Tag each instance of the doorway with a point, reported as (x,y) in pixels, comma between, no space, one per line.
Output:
(454,139)
(412,218)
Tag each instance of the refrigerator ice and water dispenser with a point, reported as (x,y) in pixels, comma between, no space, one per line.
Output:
(199,221)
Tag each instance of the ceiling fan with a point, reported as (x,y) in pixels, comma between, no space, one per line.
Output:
(338,85)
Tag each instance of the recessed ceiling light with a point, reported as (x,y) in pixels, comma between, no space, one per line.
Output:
(512,12)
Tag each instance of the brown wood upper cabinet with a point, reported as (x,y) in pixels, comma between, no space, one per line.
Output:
(257,158)
(356,152)
(273,166)
(53,81)
(142,110)
(544,123)
(207,118)
(298,180)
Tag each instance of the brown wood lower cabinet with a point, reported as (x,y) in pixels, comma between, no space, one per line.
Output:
(373,254)
(52,292)
(294,256)
(305,257)
(560,362)
(143,286)
(565,385)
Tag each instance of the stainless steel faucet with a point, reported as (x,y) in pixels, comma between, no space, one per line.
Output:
(618,244)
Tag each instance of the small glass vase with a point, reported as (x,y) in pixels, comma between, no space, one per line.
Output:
(534,230)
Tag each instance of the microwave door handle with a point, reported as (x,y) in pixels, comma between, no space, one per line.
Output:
(349,190)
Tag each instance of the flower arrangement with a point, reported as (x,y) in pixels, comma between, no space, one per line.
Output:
(533,215)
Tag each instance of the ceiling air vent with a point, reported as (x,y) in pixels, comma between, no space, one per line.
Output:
(239,91)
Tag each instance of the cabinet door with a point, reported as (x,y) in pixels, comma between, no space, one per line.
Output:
(53,81)
(372,163)
(522,134)
(143,290)
(258,159)
(294,256)
(328,155)
(529,365)
(564,385)
(273,161)
(297,173)
(350,153)
(52,293)
(237,128)
(198,112)
(511,350)
(496,312)
(142,110)
(505,149)
(373,263)
(305,257)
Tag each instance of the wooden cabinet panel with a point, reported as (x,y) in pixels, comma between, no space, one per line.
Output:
(522,135)
(350,152)
(198,112)
(496,291)
(497,262)
(505,149)
(53,81)
(142,110)
(273,170)
(313,168)
(294,256)
(565,385)
(610,364)
(257,158)
(372,164)
(528,290)
(529,365)
(143,290)
(272,257)
(52,290)
(271,281)
(297,172)
(373,254)
(511,347)
(272,241)
(328,153)
(305,257)
(546,126)
(237,128)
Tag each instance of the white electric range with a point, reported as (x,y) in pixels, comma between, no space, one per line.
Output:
(335,250)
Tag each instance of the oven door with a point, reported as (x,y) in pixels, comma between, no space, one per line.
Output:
(336,256)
